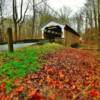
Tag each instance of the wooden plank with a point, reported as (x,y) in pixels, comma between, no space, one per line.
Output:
(10,40)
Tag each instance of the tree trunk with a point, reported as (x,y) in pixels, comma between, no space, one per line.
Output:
(99,24)
(20,27)
(34,15)
(86,26)
(99,16)
(90,20)
(2,22)
(15,31)
(15,16)
(95,14)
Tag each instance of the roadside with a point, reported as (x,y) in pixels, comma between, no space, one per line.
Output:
(23,61)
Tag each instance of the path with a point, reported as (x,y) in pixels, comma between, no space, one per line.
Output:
(19,45)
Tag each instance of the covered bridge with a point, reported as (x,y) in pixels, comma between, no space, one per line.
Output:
(52,24)
(71,37)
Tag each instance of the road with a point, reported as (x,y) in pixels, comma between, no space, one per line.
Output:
(19,45)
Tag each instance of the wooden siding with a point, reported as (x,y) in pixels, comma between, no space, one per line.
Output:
(70,38)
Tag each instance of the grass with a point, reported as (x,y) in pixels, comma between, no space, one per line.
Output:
(23,61)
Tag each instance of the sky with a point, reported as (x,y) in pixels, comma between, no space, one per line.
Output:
(73,4)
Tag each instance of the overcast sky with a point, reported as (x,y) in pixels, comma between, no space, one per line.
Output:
(73,4)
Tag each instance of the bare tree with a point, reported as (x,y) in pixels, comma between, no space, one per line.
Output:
(98,1)
(34,12)
(95,13)
(99,15)
(89,15)
(22,21)
(19,18)
(65,13)
(15,16)
(33,18)
(2,3)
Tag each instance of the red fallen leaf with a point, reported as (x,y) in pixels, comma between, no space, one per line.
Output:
(93,84)
(3,85)
(31,93)
(49,79)
(61,86)
(94,93)
(35,94)
(29,82)
(86,83)
(2,95)
(19,89)
(53,83)
(73,86)
(34,76)
(97,84)
(61,74)
(98,93)
(90,72)
(9,96)
(17,81)
(50,70)
(52,97)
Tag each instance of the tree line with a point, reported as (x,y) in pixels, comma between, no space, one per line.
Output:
(27,17)
(88,21)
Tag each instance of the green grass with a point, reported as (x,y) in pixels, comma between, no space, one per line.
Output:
(23,61)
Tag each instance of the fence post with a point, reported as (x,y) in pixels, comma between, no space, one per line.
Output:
(10,39)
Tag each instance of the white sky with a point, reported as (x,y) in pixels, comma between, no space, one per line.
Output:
(73,4)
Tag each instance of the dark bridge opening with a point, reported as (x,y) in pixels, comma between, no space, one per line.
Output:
(52,32)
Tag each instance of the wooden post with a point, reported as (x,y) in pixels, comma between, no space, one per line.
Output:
(10,39)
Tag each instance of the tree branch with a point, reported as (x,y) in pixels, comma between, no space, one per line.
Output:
(20,12)
(25,13)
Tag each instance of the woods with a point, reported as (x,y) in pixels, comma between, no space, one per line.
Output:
(92,28)
(28,17)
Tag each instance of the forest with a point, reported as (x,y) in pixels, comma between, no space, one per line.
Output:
(28,17)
